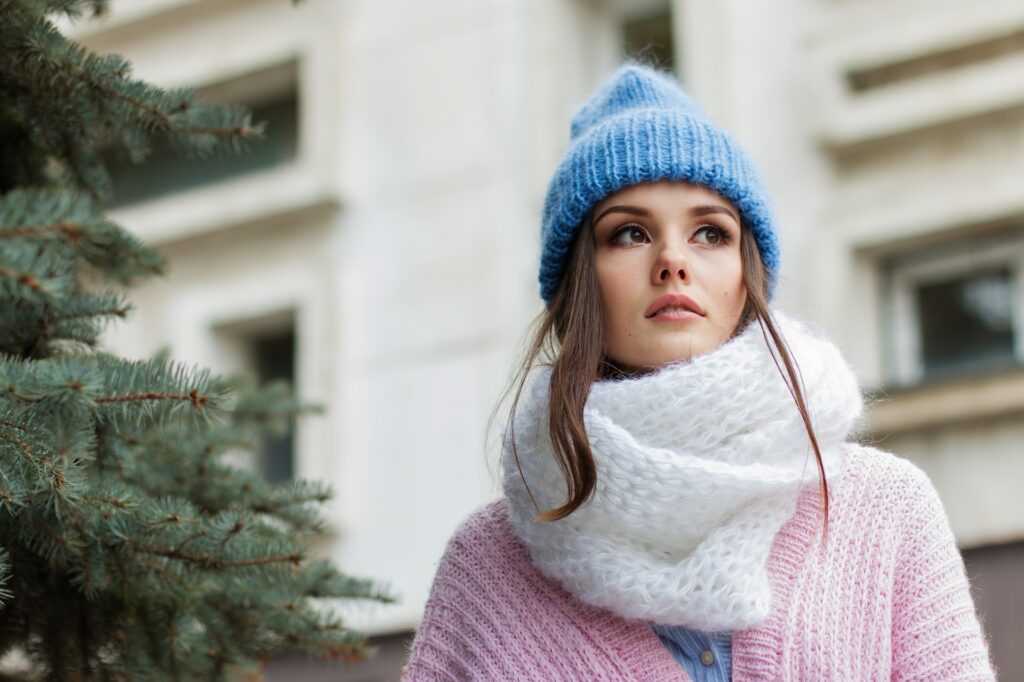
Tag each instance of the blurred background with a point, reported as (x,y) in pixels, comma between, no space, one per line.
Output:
(379,248)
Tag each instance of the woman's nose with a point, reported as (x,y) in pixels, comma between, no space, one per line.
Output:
(671,264)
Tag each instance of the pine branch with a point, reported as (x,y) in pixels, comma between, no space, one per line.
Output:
(172,112)
(25,279)
(5,575)
(71,8)
(217,563)
(100,107)
(78,318)
(69,226)
(70,231)
(158,388)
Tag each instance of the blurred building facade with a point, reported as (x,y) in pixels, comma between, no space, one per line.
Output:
(379,248)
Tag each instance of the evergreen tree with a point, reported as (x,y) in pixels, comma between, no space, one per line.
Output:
(129,549)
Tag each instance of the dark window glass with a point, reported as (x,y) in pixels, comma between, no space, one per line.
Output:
(648,38)
(966,323)
(274,356)
(167,170)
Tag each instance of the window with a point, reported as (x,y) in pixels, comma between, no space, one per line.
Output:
(273,357)
(647,35)
(271,95)
(263,348)
(956,310)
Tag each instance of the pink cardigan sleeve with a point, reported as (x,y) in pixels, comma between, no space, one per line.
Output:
(936,634)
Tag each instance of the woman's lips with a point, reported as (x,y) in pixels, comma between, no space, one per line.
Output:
(673,301)
(674,316)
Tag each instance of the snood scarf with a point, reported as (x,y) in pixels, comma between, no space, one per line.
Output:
(699,464)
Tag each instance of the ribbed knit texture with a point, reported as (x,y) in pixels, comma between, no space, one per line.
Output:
(887,598)
(640,126)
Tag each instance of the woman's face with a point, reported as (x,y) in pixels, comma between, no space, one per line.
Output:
(667,256)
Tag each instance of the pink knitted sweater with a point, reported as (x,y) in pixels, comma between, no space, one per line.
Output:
(887,598)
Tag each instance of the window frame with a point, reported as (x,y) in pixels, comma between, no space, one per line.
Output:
(905,366)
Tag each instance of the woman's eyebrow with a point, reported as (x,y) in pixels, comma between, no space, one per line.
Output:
(698,211)
(631,210)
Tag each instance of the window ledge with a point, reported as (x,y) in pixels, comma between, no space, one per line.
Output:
(969,399)
(286,190)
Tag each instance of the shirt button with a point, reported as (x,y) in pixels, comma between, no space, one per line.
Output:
(706,657)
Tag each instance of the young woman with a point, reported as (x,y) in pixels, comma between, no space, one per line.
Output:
(682,500)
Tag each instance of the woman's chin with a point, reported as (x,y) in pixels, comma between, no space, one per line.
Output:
(648,364)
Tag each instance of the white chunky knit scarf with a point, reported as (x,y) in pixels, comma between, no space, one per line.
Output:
(698,467)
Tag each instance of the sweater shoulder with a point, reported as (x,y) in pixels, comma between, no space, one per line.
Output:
(486,518)
(485,549)
(872,467)
(879,480)
(484,532)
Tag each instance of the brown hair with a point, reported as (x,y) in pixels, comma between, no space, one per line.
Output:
(568,337)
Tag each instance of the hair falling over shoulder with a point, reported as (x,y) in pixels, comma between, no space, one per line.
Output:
(567,335)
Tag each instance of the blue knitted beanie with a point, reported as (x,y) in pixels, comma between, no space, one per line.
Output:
(641,127)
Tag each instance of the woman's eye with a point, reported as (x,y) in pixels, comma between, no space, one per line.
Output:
(629,235)
(715,234)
